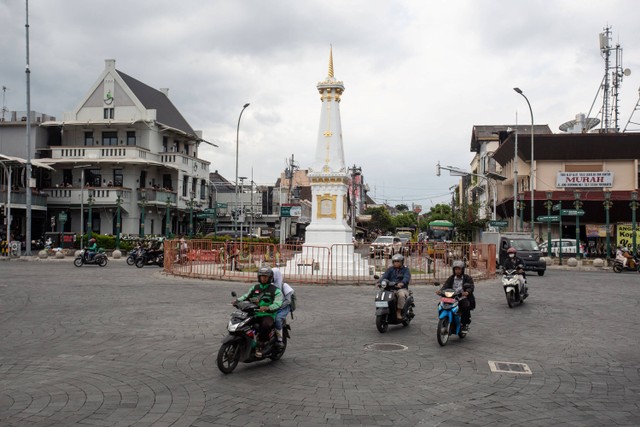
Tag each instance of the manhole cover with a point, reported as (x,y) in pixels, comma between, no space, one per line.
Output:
(510,367)
(385,347)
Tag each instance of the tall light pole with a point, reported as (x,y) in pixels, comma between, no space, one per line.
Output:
(28,171)
(578,204)
(549,204)
(118,201)
(237,150)
(82,168)
(143,203)
(521,206)
(240,213)
(90,216)
(533,175)
(607,205)
(634,206)
(191,202)
(167,224)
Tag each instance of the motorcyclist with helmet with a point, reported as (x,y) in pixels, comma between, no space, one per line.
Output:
(93,248)
(514,262)
(399,274)
(269,299)
(462,283)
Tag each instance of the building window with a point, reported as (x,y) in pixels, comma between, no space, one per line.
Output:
(93,177)
(166,182)
(117,178)
(165,144)
(202,189)
(131,137)
(185,186)
(108,113)
(194,185)
(88,138)
(109,138)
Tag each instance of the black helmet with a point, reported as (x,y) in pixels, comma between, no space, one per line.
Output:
(457,264)
(397,257)
(265,271)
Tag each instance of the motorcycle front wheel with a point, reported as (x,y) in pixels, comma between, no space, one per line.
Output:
(102,262)
(510,299)
(131,260)
(443,331)
(140,262)
(228,357)
(407,321)
(78,262)
(382,324)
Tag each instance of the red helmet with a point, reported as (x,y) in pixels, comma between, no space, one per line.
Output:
(92,240)
(511,250)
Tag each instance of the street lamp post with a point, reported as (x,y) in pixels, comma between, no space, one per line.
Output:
(549,204)
(634,206)
(607,205)
(90,216)
(533,176)
(578,204)
(167,219)
(237,150)
(192,194)
(521,206)
(118,202)
(82,168)
(240,213)
(143,204)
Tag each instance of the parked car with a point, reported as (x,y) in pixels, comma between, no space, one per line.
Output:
(568,248)
(387,246)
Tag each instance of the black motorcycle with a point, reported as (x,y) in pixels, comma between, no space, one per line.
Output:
(135,253)
(240,344)
(150,258)
(99,258)
(386,301)
(619,267)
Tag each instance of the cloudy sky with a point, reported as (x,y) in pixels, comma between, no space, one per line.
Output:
(418,74)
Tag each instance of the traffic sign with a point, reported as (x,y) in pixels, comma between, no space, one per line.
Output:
(499,223)
(548,218)
(572,212)
(62,217)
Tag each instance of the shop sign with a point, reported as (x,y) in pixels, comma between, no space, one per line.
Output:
(625,235)
(598,230)
(584,179)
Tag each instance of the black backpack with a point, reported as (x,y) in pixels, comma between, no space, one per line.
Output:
(293,302)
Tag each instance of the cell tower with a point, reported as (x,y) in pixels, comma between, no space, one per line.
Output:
(613,75)
(4,103)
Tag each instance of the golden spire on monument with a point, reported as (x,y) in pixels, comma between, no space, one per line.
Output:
(331,61)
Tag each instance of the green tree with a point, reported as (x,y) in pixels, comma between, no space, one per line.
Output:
(402,208)
(467,221)
(405,219)
(380,219)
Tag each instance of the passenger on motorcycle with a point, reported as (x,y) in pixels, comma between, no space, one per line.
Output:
(285,308)
(514,262)
(93,248)
(401,276)
(269,298)
(462,283)
(623,255)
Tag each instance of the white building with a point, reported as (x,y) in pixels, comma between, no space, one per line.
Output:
(134,149)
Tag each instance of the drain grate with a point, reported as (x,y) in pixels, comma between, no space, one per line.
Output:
(386,347)
(510,367)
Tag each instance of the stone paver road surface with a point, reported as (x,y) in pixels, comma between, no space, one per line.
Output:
(123,346)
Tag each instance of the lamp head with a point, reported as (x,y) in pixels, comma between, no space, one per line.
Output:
(607,194)
(246,105)
(517,89)
(549,195)
(576,194)
(634,195)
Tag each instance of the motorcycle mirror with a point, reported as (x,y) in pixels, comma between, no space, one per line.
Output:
(376,277)
(233,294)
(436,283)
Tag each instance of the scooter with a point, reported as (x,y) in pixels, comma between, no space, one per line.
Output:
(240,345)
(513,290)
(386,307)
(131,259)
(619,267)
(100,258)
(150,258)
(449,317)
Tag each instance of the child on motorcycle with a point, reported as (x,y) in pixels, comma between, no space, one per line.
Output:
(269,299)
(285,308)
(401,276)
(462,283)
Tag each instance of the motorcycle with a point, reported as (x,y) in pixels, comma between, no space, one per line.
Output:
(514,292)
(135,253)
(386,307)
(150,258)
(100,258)
(449,318)
(240,344)
(619,267)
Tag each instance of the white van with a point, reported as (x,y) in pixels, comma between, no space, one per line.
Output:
(568,248)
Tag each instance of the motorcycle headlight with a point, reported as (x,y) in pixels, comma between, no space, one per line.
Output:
(232,327)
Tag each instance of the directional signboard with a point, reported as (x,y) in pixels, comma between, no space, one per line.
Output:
(499,223)
(572,212)
(548,218)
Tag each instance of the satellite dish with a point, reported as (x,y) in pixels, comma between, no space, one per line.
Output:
(589,123)
(627,72)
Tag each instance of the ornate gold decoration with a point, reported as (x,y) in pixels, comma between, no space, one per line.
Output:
(331,61)
(326,206)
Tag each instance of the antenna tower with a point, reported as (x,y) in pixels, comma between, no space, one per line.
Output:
(613,75)
(637,107)
(4,103)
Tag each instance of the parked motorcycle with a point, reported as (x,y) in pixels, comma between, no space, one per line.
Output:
(386,301)
(100,258)
(619,267)
(449,317)
(513,290)
(150,258)
(240,344)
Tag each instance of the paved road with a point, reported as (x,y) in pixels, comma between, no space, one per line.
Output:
(123,346)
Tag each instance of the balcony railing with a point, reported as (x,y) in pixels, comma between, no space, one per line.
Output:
(184,162)
(19,198)
(101,196)
(102,152)
(158,196)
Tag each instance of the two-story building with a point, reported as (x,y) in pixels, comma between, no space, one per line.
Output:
(125,148)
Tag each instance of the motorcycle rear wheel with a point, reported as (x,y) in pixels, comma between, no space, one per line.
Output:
(131,260)
(279,352)
(228,357)
(510,299)
(407,321)
(140,262)
(381,324)
(617,268)
(443,331)
(78,262)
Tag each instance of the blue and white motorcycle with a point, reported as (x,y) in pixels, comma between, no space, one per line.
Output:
(449,317)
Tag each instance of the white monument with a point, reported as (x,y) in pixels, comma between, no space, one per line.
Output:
(328,238)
